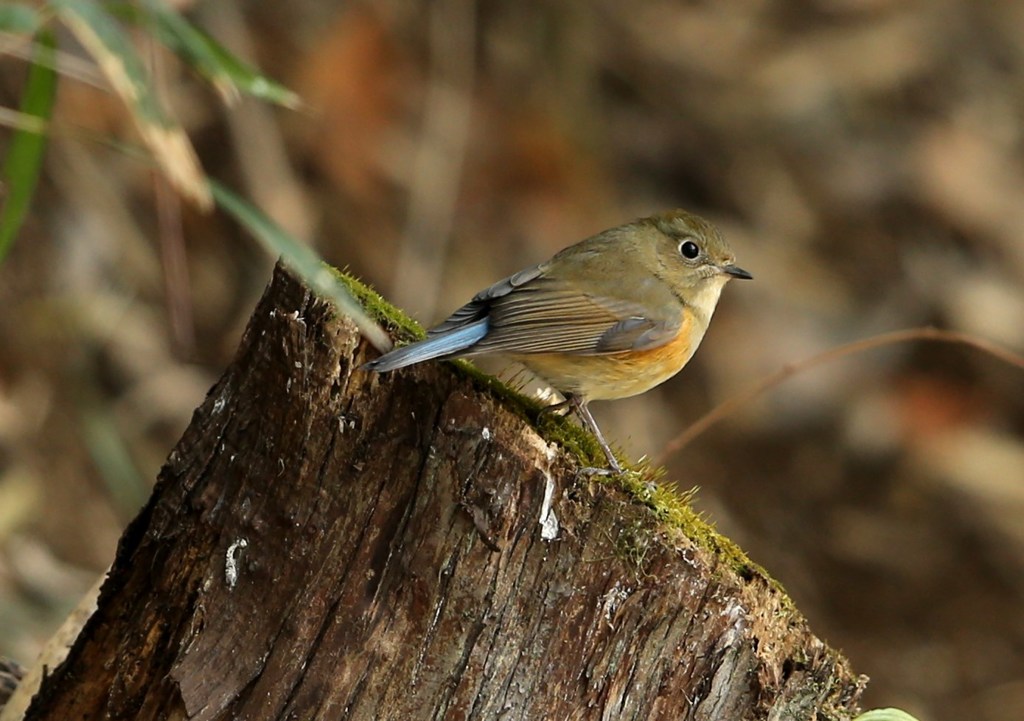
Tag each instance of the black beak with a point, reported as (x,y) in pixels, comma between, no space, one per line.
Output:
(736,272)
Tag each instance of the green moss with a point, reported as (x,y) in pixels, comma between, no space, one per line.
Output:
(639,481)
(633,542)
(388,315)
(523,406)
(552,427)
(565,432)
(675,511)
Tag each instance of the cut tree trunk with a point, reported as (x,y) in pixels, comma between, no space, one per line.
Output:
(327,543)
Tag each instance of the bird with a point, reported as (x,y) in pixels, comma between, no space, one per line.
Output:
(609,317)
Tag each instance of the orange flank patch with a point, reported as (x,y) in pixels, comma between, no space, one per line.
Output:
(617,375)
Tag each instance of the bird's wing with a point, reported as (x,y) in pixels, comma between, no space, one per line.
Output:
(546,315)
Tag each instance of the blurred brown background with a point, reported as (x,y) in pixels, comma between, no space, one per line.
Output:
(865,158)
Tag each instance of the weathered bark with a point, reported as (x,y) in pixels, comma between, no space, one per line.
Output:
(326,543)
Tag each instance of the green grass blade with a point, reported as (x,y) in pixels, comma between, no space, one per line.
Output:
(24,160)
(228,73)
(301,260)
(103,38)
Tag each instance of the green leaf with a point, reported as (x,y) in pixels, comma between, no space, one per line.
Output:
(229,74)
(25,155)
(19,19)
(103,38)
(301,260)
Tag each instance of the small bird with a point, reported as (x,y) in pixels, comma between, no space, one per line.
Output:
(609,317)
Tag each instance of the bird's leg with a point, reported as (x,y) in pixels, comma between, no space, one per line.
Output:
(580,406)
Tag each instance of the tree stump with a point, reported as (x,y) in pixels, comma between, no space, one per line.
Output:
(326,543)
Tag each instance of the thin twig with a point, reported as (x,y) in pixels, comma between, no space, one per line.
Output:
(739,400)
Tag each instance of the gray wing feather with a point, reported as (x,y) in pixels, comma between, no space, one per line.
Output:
(550,316)
(637,333)
(478,308)
(530,312)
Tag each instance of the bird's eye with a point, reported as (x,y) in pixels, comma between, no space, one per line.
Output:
(689,249)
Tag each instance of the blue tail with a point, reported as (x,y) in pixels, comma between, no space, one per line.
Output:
(445,345)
